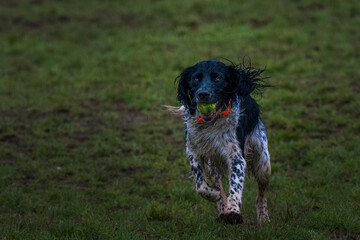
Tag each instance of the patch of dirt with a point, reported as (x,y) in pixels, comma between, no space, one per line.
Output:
(52,19)
(116,173)
(21,138)
(25,177)
(170,47)
(311,7)
(339,234)
(129,115)
(36,2)
(113,18)
(22,122)
(6,3)
(259,23)
(132,170)
(7,160)
(11,138)
(355,85)
(80,183)
(119,208)
(130,20)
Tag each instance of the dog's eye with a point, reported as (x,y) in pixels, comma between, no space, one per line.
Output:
(196,79)
(217,79)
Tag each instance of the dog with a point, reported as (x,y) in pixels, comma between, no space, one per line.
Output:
(230,139)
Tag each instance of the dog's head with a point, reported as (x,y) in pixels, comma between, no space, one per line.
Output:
(214,82)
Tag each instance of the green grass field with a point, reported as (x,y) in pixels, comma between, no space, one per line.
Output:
(88,152)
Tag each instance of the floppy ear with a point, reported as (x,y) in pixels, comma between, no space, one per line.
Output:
(245,81)
(238,84)
(184,94)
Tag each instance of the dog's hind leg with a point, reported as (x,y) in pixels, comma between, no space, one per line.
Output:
(258,159)
(262,177)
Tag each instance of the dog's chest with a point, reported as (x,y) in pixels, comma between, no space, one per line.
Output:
(214,138)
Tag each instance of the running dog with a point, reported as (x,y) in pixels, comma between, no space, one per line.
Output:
(228,140)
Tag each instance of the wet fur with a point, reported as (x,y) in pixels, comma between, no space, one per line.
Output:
(226,145)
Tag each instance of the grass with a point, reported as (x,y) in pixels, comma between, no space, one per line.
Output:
(87,151)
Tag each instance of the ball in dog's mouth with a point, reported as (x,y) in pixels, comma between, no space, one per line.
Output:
(207,111)
(206,108)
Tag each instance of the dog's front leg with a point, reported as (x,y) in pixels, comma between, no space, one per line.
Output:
(236,167)
(202,187)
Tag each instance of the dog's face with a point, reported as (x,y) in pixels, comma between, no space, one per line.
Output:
(208,82)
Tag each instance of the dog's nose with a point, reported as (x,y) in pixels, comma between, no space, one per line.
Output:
(203,95)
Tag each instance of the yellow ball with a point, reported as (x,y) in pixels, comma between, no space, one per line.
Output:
(206,109)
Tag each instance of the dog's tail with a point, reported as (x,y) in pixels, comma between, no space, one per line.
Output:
(178,111)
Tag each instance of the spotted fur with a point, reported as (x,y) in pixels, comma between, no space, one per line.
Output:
(225,146)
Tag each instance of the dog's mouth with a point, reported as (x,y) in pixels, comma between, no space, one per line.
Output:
(211,115)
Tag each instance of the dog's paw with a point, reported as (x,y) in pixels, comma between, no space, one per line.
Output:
(262,216)
(262,211)
(231,218)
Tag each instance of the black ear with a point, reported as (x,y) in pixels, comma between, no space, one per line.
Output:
(184,94)
(244,81)
(238,84)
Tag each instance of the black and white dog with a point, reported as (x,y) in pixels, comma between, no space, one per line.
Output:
(230,139)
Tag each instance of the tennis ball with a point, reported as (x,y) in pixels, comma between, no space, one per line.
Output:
(206,109)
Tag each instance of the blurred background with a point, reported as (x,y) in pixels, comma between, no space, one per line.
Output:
(88,152)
